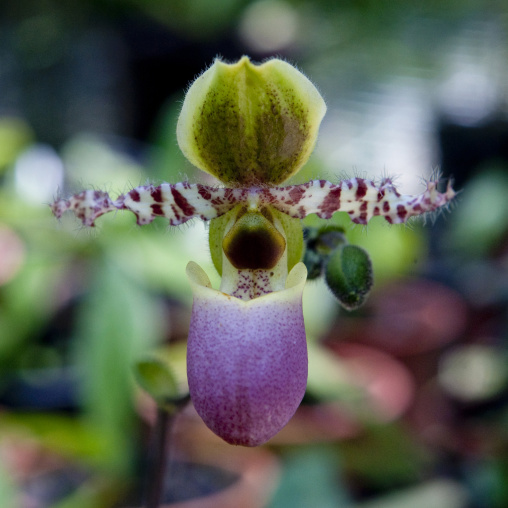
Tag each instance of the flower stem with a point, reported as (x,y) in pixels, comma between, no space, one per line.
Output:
(157,465)
(158,459)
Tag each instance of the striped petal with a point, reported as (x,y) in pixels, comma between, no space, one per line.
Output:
(362,199)
(178,202)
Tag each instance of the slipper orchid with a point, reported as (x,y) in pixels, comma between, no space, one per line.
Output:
(252,127)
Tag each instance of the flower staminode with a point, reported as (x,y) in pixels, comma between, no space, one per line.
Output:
(252,127)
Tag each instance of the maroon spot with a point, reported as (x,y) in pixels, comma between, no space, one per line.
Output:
(97,194)
(176,214)
(157,195)
(322,183)
(401,212)
(204,192)
(380,195)
(134,194)
(363,206)
(386,207)
(301,212)
(417,208)
(296,194)
(376,211)
(362,188)
(349,184)
(331,203)
(267,197)
(217,201)
(157,209)
(182,203)
(389,219)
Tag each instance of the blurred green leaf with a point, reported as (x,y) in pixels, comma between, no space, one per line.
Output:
(311,478)
(7,488)
(15,134)
(440,493)
(481,219)
(167,161)
(27,304)
(193,17)
(384,456)
(329,378)
(156,378)
(118,322)
(64,435)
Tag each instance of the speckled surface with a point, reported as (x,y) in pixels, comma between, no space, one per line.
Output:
(246,361)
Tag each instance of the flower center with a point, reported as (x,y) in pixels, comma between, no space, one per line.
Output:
(253,243)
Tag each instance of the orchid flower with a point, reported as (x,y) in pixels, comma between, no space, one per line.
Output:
(252,127)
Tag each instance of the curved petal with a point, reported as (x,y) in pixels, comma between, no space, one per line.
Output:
(246,360)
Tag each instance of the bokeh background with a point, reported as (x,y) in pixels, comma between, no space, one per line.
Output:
(407,403)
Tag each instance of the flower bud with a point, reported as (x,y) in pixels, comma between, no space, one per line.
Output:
(249,124)
(314,264)
(320,243)
(349,275)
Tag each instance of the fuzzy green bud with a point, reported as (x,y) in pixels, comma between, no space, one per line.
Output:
(250,124)
(349,275)
(314,264)
(320,243)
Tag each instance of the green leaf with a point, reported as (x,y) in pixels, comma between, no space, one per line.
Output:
(156,378)
(117,323)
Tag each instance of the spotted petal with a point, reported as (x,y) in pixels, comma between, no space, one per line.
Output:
(178,202)
(246,360)
(362,199)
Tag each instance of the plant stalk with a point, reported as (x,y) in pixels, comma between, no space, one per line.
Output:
(158,462)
